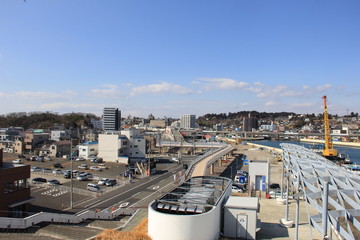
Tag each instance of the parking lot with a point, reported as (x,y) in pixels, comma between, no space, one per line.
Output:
(47,170)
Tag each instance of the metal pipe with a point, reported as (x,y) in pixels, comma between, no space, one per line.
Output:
(282,180)
(287,197)
(297,205)
(325,208)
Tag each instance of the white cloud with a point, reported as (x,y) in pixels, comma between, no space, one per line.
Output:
(160,88)
(222,83)
(244,104)
(270,103)
(44,95)
(58,105)
(109,91)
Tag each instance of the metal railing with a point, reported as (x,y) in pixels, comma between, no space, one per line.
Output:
(23,223)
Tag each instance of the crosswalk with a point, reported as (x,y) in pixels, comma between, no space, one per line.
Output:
(52,192)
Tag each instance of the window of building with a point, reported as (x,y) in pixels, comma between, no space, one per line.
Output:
(135,146)
(139,140)
(14,186)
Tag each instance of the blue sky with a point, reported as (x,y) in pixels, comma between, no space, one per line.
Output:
(172,57)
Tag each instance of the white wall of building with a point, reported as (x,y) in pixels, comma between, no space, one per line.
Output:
(259,169)
(109,147)
(86,150)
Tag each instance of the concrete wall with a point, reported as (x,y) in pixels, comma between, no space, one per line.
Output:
(109,146)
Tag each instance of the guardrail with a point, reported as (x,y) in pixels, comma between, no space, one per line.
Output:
(23,223)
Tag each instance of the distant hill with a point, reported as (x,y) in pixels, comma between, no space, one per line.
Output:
(46,120)
(229,119)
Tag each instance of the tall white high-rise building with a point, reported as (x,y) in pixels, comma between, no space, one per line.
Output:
(187,121)
(111,119)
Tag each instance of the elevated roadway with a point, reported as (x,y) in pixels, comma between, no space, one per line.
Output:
(200,167)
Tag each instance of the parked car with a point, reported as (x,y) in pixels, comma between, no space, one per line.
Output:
(94,168)
(96,160)
(236,189)
(102,166)
(82,177)
(21,156)
(57,165)
(92,187)
(110,182)
(83,167)
(175,160)
(89,176)
(17,161)
(38,180)
(46,170)
(102,181)
(274,186)
(40,158)
(80,159)
(57,171)
(36,169)
(53,182)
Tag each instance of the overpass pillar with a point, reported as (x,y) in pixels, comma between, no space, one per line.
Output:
(212,168)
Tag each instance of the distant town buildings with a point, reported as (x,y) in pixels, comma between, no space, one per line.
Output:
(187,121)
(111,119)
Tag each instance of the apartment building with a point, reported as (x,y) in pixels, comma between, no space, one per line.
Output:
(187,121)
(111,119)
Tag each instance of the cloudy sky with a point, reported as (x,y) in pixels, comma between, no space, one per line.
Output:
(173,57)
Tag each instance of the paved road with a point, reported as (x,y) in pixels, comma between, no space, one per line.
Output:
(129,195)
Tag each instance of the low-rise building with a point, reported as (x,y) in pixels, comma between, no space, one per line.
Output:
(88,149)
(14,189)
(58,135)
(126,147)
(34,140)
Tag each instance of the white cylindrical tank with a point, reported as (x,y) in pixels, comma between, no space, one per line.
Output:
(164,226)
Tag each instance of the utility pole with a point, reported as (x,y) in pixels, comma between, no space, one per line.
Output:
(71,177)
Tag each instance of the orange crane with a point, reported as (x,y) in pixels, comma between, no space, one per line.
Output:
(329,151)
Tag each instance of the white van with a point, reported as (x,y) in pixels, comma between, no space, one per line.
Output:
(93,187)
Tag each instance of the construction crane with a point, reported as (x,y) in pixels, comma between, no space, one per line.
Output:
(328,152)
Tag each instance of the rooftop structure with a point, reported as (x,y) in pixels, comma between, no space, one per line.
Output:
(191,211)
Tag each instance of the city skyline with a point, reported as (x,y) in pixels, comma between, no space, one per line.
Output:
(173,58)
